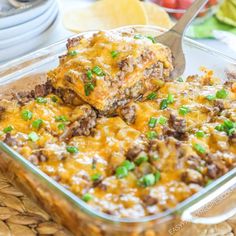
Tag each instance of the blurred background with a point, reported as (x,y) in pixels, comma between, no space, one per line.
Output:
(28,25)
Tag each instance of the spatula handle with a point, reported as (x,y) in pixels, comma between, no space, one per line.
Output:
(190,14)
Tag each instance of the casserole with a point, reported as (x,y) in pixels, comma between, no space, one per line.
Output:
(65,206)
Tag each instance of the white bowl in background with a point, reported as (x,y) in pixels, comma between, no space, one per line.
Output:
(28,45)
(24,15)
(10,42)
(23,28)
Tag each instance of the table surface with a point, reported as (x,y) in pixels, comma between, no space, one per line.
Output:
(59,32)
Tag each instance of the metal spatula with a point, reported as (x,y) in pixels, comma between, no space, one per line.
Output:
(173,38)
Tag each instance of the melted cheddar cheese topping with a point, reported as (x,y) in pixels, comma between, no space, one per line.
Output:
(153,153)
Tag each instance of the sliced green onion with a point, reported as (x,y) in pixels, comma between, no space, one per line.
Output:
(152,122)
(89,74)
(96,177)
(231,131)
(37,123)
(33,137)
(61,126)
(229,127)
(138,36)
(26,115)
(8,129)
(222,94)
(199,148)
(128,165)
(219,128)
(73,53)
(209,181)
(88,88)
(54,98)
(157,176)
(147,180)
(170,98)
(98,71)
(114,54)
(61,119)
(164,104)
(180,79)
(41,100)
(151,38)
(72,149)
(200,134)
(151,135)
(229,124)
(139,160)
(152,96)
(87,197)
(121,172)
(184,110)
(210,97)
(162,120)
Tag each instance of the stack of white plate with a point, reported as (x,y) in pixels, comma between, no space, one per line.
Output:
(23,30)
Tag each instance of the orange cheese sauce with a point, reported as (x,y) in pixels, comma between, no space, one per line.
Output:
(105,150)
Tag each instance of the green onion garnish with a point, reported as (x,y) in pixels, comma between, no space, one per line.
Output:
(121,172)
(128,165)
(157,176)
(8,129)
(151,38)
(98,71)
(199,148)
(147,180)
(54,98)
(152,96)
(26,115)
(200,134)
(170,98)
(61,119)
(33,137)
(89,74)
(231,131)
(139,160)
(73,53)
(151,135)
(96,177)
(164,104)
(138,36)
(210,97)
(114,54)
(72,149)
(180,79)
(229,124)
(228,127)
(162,120)
(152,122)
(87,197)
(37,123)
(184,110)
(222,94)
(88,88)
(220,128)
(209,181)
(61,126)
(41,100)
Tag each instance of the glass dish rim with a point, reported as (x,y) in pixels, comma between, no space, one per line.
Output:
(75,199)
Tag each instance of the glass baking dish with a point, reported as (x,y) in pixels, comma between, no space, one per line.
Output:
(213,204)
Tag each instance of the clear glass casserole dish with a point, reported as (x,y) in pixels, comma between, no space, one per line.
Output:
(213,204)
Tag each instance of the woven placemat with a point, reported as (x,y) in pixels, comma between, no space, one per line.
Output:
(19,216)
